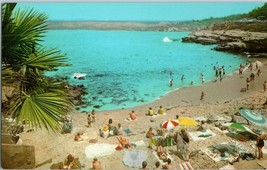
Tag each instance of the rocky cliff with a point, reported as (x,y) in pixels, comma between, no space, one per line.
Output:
(248,38)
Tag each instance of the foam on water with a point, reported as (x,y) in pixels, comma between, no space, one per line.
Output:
(129,68)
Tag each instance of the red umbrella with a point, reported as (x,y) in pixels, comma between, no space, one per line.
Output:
(170,124)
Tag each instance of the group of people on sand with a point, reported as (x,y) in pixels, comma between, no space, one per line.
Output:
(167,165)
(160,111)
(110,130)
(252,76)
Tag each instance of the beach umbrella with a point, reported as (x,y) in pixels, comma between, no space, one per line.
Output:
(254,117)
(170,124)
(187,121)
(238,126)
(134,158)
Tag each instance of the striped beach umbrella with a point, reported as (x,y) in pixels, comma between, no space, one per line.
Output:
(170,124)
(254,117)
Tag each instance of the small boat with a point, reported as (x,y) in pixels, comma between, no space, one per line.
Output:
(166,39)
(79,75)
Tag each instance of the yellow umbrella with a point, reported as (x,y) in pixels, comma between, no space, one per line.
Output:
(187,121)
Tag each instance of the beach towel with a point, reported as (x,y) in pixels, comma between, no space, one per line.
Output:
(139,143)
(227,167)
(130,120)
(221,131)
(157,115)
(201,118)
(97,150)
(224,118)
(201,135)
(134,158)
(128,131)
(160,160)
(186,166)
(216,156)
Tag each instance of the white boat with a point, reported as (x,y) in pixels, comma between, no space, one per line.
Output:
(79,75)
(166,39)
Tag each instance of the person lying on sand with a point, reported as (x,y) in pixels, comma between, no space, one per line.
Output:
(162,153)
(124,142)
(96,164)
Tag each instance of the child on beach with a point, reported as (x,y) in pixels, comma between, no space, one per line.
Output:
(248,83)
(171,81)
(202,95)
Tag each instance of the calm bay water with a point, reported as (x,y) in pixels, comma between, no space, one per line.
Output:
(130,68)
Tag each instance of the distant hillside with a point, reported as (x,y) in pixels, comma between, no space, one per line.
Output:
(130,26)
(195,25)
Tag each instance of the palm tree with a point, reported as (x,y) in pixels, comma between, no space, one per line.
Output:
(38,100)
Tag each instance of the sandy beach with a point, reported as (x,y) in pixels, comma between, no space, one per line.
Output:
(221,98)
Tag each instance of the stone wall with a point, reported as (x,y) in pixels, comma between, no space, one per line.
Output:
(17,156)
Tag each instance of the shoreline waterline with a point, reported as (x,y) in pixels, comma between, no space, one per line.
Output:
(215,92)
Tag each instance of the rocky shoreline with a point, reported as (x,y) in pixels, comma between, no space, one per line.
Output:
(238,38)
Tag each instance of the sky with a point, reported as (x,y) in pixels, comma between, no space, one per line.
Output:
(136,11)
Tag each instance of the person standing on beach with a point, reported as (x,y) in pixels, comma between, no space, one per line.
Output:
(182,78)
(93,115)
(202,95)
(171,81)
(89,120)
(248,83)
(257,66)
(259,72)
(260,144)
(264,86)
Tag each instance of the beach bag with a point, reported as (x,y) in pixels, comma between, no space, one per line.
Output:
(67,128)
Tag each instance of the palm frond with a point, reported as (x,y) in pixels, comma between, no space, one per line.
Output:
(41,110)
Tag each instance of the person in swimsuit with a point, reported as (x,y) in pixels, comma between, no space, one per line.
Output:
(260,144)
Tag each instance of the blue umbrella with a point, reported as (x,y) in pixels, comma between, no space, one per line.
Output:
(254,117)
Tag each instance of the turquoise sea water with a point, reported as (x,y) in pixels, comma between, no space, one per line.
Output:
(130,68)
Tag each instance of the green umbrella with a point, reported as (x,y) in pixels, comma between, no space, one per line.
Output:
(238,126)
